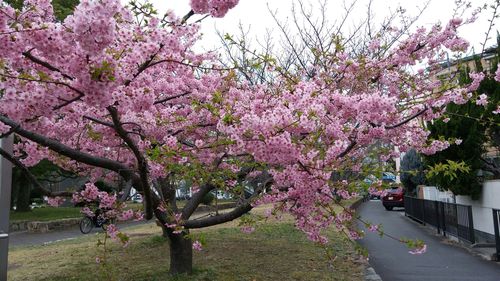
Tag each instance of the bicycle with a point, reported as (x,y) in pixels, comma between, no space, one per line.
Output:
(89,222)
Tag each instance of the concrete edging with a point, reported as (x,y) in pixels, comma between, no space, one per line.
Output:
(370,273)
(43,226)
(46,226)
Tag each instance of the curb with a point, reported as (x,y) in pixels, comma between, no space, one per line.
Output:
(370,273)
(43,226)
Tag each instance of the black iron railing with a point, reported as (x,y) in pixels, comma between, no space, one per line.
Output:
(448,218)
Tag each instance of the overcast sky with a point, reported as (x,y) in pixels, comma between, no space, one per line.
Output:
(255,15)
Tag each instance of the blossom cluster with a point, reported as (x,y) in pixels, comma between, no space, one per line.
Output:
(216,8)
(56,201)
(110,207)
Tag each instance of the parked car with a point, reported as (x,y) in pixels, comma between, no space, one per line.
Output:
(393,197)
(136,198)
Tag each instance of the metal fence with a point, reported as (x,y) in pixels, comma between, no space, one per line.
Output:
(496,225)
(448,218)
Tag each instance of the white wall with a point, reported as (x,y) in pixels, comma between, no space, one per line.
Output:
(481,209)
(433,193)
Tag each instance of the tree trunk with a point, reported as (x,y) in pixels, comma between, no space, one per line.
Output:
(164,230)
(23,196)
(181,253)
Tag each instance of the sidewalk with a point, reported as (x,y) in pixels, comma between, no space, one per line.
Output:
(443,261)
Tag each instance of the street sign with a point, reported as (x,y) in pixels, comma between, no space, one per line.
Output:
(5,189)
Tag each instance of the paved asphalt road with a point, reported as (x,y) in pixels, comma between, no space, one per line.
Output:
(442,262)
(26,239)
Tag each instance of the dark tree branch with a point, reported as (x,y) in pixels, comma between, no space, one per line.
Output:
(65,103)
(260,183)
(168,190)
(144,66)
(408,119)
(190,65)
(171,98)
(77,155)
(187,16)
(126,192)
(104,123)
(305,168)
(32,177)
(195,201)
(347,149)
(222,218)
(45,64)
(142,163)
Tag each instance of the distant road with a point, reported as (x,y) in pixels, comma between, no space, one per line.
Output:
(25,238)
(442,262)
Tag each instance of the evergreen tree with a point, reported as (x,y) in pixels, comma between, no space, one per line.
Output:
(477,126)
(412,171)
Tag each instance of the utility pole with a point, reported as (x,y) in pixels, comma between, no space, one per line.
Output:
(5,190)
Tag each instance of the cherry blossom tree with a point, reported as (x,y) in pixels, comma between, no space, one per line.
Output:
(104,95)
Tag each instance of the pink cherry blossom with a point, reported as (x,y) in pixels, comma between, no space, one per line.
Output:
(419,251)
(247,229)
(217,8)
(373,228)
(138,216)
(55,202)
(112,231)
(3,128)
(126,215)
(86,211)
(197,246)
(497,111)
(482,100)
(477,77)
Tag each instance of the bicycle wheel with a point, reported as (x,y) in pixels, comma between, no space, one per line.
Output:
(86,225)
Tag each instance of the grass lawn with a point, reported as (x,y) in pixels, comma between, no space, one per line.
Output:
(50,213)
(275,251)
(46,214)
